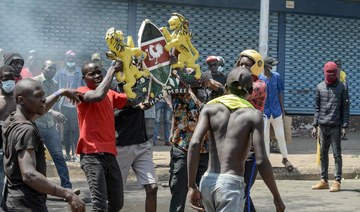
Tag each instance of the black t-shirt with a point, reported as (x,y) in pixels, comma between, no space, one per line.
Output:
(130,126)
(220,77)
(21,134)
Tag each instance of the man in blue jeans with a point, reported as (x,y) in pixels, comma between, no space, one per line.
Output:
(69,77)
(332,118)
(48,124)
(163,107)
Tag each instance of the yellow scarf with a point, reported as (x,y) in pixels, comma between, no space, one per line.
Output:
(232,102)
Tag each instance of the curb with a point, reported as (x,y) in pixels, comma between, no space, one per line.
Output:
(162,173)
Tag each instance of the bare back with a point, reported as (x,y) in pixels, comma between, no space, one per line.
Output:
(230,134)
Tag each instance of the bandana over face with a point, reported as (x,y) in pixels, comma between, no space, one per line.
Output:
(330,72)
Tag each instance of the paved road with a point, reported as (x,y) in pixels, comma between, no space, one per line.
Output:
(297,195)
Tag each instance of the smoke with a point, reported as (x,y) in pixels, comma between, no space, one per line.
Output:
(52,27)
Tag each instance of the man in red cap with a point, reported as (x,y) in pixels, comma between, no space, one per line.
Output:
(332,117)
(213,63)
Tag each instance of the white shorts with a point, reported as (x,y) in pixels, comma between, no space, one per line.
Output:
(139,158)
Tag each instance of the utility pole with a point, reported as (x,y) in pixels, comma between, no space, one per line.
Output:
(264,28)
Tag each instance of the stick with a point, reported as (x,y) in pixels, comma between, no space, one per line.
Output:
(318,147)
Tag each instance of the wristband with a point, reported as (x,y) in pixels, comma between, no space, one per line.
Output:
(57,94)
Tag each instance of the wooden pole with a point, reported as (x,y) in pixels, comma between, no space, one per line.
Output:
(318,147)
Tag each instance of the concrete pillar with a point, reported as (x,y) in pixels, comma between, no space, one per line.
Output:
(264,28)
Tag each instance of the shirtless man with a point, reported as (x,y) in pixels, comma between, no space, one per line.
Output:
(232,122)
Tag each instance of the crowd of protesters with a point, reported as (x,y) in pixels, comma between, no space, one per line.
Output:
(43,105)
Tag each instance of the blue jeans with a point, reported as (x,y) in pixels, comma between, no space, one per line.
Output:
(159,108)
(330,136)
(104,177)
(178,177)
(71,129)
(53,144)
(249,177)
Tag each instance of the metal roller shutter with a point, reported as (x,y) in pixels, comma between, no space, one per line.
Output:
(52,27)
(224,32)
(310,42)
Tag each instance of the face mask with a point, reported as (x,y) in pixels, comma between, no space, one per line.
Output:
(70,64)
(330,76)
(220,69)
(8,86)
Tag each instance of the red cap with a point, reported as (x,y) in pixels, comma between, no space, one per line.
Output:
(211,58)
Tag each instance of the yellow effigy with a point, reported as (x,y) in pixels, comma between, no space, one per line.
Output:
(180,39)
(125,52)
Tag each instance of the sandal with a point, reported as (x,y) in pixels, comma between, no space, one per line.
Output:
(288,165)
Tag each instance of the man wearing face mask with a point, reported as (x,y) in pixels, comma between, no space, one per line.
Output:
(16,61)
(274,109)
(332,118)
(48,124)
(69,77)
(7,106)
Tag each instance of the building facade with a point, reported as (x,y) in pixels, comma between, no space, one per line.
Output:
(303,35)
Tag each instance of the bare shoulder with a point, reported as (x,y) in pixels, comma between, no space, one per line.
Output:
(213,108)
(250,114)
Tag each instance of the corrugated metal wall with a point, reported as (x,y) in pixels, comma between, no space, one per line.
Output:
(224,32)
(53,27)
(310,42)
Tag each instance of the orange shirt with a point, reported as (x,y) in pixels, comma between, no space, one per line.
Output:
(97,124)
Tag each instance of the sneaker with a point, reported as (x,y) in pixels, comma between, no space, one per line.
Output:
(67,158)
(287,164)
(335,186)
(321,185)
(75,158)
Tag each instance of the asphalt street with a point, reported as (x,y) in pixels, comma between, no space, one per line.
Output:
(297,196)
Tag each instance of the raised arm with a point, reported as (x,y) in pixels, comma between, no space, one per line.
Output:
(37,181)
(101,90)
(263,163)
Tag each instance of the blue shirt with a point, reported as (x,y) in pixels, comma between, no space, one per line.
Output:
(275,87)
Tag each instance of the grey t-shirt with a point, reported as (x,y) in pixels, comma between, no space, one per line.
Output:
(20,134)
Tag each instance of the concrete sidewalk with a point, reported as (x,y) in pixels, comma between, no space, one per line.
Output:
(302,154)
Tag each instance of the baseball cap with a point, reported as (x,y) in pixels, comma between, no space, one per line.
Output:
(241,75)
(270,61)
(70,53)
(211,58)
